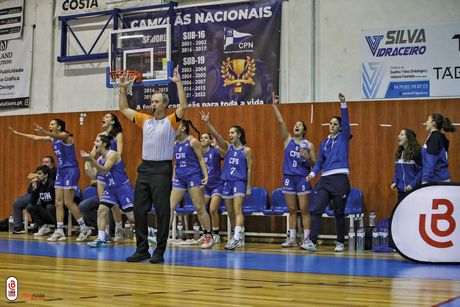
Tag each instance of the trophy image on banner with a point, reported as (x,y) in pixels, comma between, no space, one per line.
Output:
(237,72)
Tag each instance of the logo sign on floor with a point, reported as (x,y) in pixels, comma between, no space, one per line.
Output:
(11,288)
(408,62)
(425,226)
(15,71)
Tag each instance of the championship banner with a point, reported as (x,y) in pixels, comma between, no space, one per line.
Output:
(15,71)
(227,54)
(74,7)
(407,62)
(11,19)
(424,224)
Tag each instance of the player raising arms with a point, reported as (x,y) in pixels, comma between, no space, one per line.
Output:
(67,174)
(236,174)
(298,154)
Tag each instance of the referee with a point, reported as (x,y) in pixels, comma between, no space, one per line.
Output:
(154,179)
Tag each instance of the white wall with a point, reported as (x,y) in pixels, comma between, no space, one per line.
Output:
(320,53)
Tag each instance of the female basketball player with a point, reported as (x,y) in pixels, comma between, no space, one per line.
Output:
(334,183)
(408,164)
(113,128)
(117,189)
(67,174)
(213,190)
(434,151)
(298,153)
(191,174)
(236,174)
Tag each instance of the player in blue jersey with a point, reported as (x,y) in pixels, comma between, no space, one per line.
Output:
(236,174)
(118,190)
(213,190)
(112,127)
(408,164)
(334,183)
(434,151)
(67,174)
(298,154)
(191,174)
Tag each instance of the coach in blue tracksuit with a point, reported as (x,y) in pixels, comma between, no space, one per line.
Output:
(333,184)
(434,151)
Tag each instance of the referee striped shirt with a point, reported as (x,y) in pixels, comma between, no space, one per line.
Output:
(159,136)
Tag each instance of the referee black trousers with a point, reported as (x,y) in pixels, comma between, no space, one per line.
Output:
(153,185)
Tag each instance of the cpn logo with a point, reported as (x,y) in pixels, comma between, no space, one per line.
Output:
(435,221)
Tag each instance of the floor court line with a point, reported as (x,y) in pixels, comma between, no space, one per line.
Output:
(309,263)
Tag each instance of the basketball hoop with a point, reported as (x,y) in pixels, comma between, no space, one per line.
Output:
(131,75)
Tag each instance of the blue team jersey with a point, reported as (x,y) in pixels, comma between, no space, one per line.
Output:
(117,174)
(65,154)
(113,146)
(186,160)
(235,165)
(435,158)
(212,159)
(294,163)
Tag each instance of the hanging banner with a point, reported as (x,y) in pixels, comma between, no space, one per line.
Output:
(15,71)
(425,226)
(11,19)
(408,62)
(227,54)
(74,7)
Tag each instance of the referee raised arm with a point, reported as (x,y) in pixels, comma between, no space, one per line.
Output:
(154,178)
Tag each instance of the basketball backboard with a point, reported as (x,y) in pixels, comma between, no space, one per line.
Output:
(147,50)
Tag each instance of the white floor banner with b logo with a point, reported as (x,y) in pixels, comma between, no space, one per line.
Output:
(424,225)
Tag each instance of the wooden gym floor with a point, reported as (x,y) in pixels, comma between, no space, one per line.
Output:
(73,274)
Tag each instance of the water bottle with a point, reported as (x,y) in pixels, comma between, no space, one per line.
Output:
(375,237)
(303,146)
(384,241)
(10,224)
(351,239)
(360,234)
(180,231)
(372,217)
(196,231)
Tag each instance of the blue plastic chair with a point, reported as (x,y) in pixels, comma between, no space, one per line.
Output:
(256,202)
(278,205)
(354,204)
(188,207)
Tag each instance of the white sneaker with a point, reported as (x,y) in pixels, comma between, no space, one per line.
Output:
(84,234)
(308,245)
(208,241)
(339,247)
(216,239)
(44,230)
(233,244)
(290,242)
(201,239)
(119,236)
(57,236)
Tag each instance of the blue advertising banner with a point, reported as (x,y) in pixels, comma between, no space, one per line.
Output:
(227,54)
